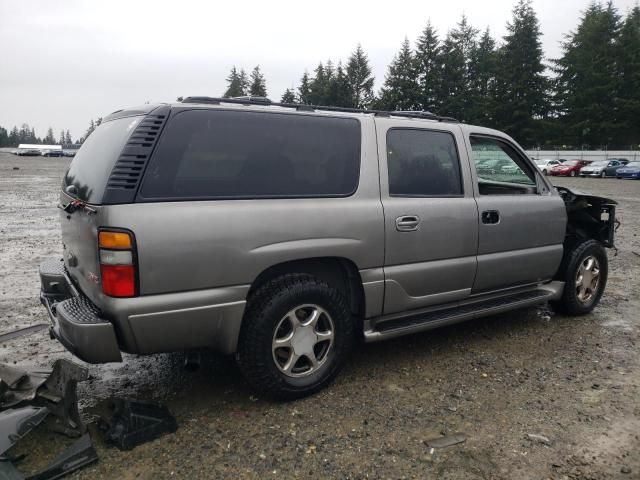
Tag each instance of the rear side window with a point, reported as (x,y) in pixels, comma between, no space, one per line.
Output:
(423,163)
(210,154)
(92,165)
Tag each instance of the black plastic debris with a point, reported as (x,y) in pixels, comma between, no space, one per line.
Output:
(21,332)
(78,455)
(15,423)
(136,422)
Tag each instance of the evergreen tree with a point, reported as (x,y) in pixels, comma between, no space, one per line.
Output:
(33,138)
(628,73)
(288,96)
(4,137)
(339,92)
(359,79)
(319,86)
(258,85)
(520,83)
(67,138)
(92,127)
(236,83)
(49,139)
(400,90)
(61,138)
(14,137)
(455,82)
(482,82)
(304,90)
(428,68)
(244,81)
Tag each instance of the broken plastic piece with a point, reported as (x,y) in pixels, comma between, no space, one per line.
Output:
(136,422)
(78,455)
(446,441)
(15,423)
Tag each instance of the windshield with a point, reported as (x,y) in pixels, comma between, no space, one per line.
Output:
(93,163)
(633,165)
(541,162)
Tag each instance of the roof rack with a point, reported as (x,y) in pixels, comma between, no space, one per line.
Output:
(253,100)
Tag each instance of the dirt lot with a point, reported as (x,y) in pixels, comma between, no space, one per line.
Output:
(573,380)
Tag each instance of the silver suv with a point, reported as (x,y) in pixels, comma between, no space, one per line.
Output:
(284,233)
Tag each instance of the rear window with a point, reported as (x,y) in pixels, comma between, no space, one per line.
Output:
(208,154)
(92,165)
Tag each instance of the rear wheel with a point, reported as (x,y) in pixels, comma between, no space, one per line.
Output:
(603,175)
(572,173)
(296,335)
(544,172)
(584,270)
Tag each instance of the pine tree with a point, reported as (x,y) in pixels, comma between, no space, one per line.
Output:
(520,83)
(482,71)
(258,85)
(14,137)
(236,83)
(4,137)
(92,127)
(288,96)
(67,138)
(400,90)
(339,92)
(628,73)
(455,82)
(61,138)
(318,86)
(49,139)
(359,79)
(428,68)
(304,90)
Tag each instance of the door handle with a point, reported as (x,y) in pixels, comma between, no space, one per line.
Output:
(490,217)
(407,223)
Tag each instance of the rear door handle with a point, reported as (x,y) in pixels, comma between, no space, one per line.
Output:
(490,217)
(407,223)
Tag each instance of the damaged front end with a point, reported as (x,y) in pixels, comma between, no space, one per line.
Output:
(589,216)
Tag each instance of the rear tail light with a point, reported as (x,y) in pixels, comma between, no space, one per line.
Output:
(118,268)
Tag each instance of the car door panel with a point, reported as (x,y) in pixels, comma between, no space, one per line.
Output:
(521,242)
(435,262)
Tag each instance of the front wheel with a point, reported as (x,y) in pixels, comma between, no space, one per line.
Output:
(603,175)
(296,335)
(584,270)
(572,174)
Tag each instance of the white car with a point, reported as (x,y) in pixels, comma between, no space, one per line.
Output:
(545,164)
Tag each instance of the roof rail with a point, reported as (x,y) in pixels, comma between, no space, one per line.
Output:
(253,100)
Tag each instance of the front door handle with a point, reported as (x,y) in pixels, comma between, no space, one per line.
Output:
(407,223)
(490,217)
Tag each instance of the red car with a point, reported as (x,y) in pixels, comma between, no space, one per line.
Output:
(570,168)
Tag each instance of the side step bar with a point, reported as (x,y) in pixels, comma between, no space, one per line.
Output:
(395,327)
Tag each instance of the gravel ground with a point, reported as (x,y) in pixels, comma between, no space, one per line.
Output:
(573,380)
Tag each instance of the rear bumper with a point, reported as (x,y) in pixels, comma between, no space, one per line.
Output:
(75,321)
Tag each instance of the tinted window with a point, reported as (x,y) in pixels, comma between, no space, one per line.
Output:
(422,163)
(500,169)
(92,165)
(229,154)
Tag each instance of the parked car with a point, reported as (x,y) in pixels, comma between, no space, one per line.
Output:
(28,152)
(570,168)
(281,234)
(602,168)
(546,164)
(69,153)
(631,170)
(51,153)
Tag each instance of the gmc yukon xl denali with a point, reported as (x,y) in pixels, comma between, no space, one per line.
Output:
(283,233)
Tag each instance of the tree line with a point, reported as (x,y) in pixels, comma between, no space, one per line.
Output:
(27,134)
(587,98)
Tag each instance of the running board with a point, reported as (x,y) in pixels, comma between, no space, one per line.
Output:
(395,327)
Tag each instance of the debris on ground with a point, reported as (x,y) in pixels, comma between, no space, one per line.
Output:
(135,422)
(55,390)
(446,441)
(21,332)
(538,438)
(15,423)
(78,455)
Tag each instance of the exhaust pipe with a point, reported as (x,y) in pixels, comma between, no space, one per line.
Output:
(192,361)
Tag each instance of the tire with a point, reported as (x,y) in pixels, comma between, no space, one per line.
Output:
(603,175)
(267,320)
(572,173)
(571,302)
(544,172)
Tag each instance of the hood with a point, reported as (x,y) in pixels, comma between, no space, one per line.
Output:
(629,170)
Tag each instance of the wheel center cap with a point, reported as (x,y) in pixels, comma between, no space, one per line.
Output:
(303,340)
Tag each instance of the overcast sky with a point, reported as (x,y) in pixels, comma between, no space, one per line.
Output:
(65,62)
